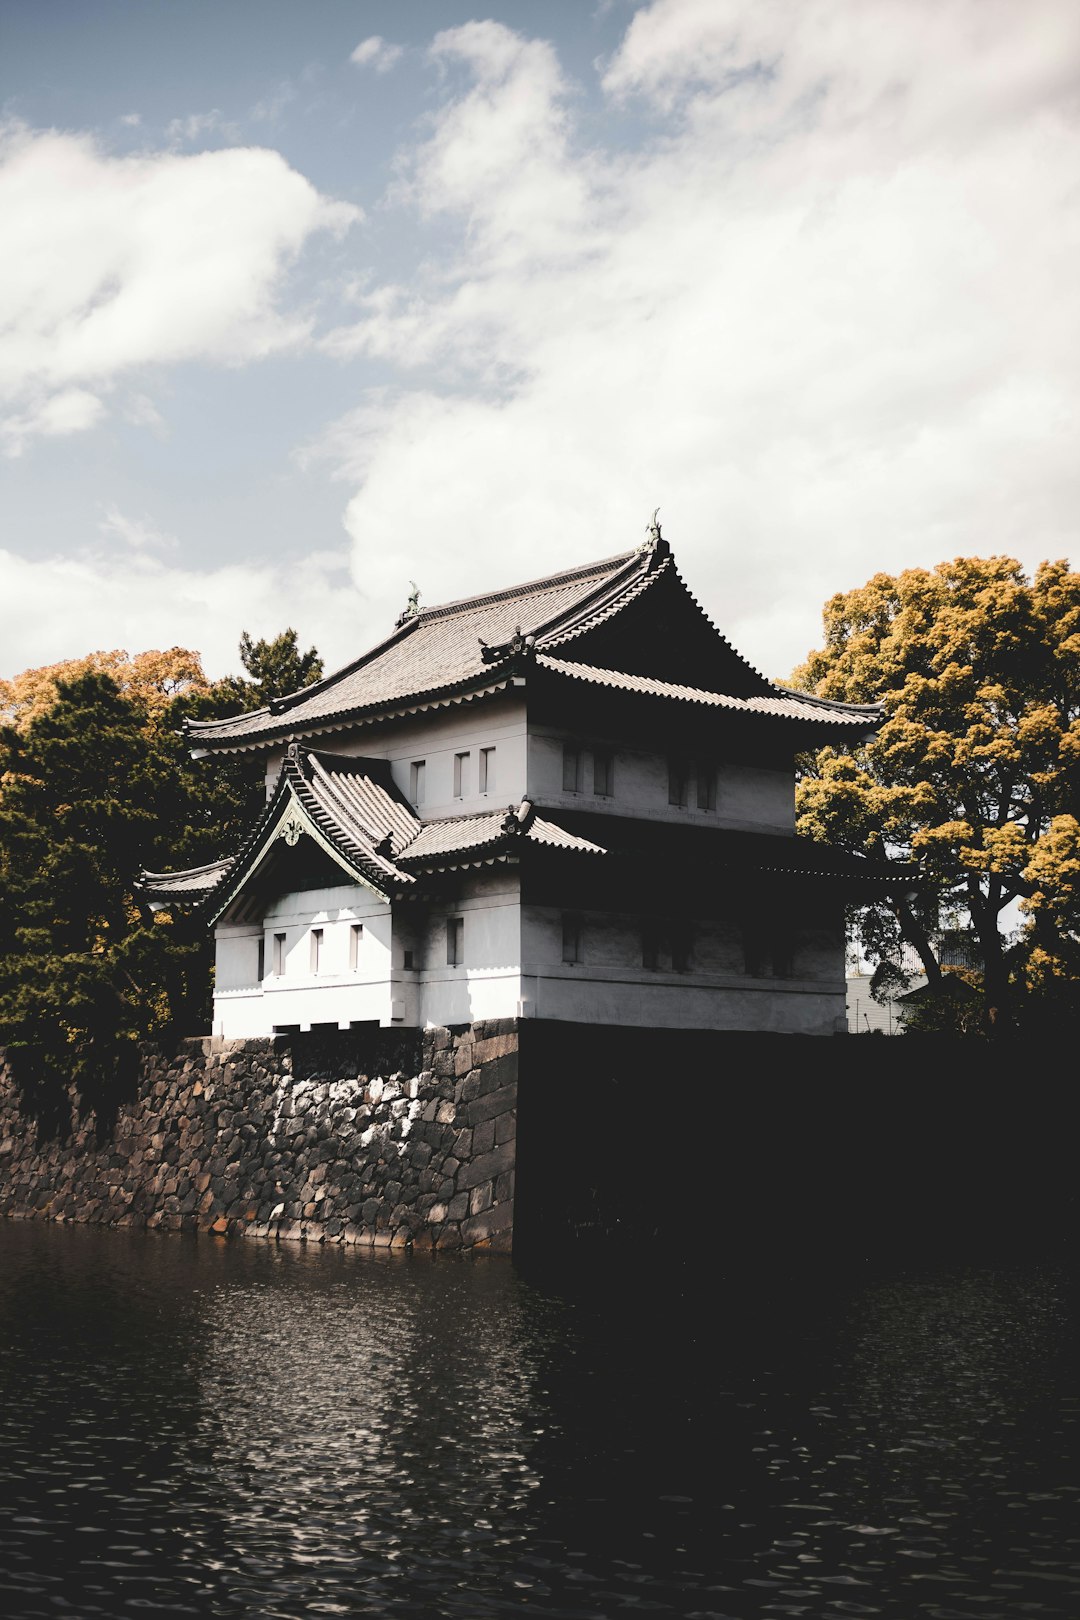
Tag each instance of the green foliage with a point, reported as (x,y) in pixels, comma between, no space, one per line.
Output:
(278,667)
(96,785)
(975,774)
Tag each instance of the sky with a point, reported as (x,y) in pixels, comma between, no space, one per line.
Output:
(301,304)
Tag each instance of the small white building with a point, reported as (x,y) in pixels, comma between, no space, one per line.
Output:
(571,799)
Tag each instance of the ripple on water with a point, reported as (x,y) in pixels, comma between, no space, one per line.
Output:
(242,1430)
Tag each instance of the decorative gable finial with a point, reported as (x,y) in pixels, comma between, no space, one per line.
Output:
(654,540)
(411,609)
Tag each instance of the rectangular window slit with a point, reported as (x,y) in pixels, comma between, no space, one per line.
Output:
(461,775)
(487,770)
(356,940)
(455,941)
(316,949)
(279,955)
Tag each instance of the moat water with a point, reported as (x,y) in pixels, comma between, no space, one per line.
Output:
(202,1428)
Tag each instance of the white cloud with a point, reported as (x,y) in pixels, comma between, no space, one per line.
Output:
(377,53)
(826,313)
(196,125)
(112,263)
(138,533)
(131,119)
(64,606)
(72,410)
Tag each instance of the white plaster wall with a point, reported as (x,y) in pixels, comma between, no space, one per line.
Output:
(489,984)
(336,995)
(496,722)
(611,986)
(748,798)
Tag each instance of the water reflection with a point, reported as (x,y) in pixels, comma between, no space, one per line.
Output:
(211,1429)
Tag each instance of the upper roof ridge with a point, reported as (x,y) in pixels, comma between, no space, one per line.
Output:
(529,587)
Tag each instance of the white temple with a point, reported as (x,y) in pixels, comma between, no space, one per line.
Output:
(569,800)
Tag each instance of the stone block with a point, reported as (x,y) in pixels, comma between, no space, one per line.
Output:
(481,1231)
(502,1101)
(458,1207)
(505,1128)
(484,1136)
(502,1072)
(481,1198)
(486,1166)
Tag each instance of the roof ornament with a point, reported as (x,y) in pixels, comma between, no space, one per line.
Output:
(519,646)
(385,847)
(516,816)
(411,610)
(654,546)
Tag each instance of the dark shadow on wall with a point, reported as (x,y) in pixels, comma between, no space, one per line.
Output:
(788,1152)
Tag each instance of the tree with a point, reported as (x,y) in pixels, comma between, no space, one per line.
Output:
(85,970)
(975,773)
(96,785)
(154,679)
(278,667)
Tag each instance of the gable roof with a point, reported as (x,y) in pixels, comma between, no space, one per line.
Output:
(632,613)
(354,811)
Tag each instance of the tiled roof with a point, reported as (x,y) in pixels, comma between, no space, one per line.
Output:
(436,653)
(191,885)
(446,654)
(355,808)
(668,846)
(787,703)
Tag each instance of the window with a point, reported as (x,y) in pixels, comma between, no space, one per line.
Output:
(571,938)
(678,781)
(455,941)
(461,775)
(315,952)
(706,785)
(603,773)
(682,947)
(650,944)
(279,955)
(487,770)
(417,773)
(260,971)
(356,940)
(407,961)
(571,768)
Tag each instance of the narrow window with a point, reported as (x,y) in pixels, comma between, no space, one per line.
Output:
(682,946)
(571,768)
(678,777)
(407,961)
(315,954)
(487,770)
(356,940)
(279,955)
(455,941)
(706,785)
(650,944)
(461,775)
(571,938)
(603,773)
(261,970)
(783,953)
(417,773)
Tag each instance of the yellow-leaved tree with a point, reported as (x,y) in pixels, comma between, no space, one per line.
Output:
(975,772)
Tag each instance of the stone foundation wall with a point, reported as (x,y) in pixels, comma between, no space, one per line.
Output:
(385,1138)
